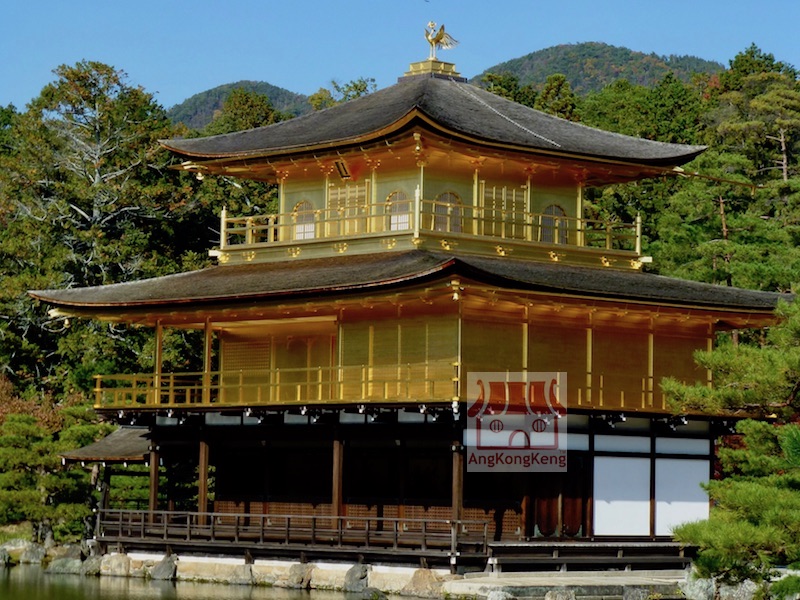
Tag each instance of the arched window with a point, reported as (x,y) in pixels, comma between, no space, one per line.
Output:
(304,227)
(447,213)
(398,207)
(554,226)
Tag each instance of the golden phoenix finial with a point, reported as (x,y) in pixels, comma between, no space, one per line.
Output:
(438,39)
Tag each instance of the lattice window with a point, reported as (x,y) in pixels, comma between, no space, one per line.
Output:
(348,206)
(554,226)
(504,211)
(304,226)
(447,213)
(398,206)
(245,355)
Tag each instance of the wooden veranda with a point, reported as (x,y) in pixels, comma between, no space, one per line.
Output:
(303,537)
(459,544)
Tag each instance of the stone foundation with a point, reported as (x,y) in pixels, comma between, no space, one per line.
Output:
(359,578)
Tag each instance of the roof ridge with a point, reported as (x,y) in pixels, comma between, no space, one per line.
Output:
(504,116)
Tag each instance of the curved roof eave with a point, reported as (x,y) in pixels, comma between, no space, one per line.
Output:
(247,282)
(455,108)
(335,276)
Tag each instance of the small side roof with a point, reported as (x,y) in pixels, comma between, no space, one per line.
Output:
(126,444)
(456,108)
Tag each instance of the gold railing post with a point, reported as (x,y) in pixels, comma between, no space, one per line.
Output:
(249,236)
(223,228)
(157,360)
(638,234)
(417,212)
(98,390)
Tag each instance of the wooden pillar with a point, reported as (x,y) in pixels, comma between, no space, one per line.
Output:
(338,466)
(458,479)
(526,514)
(152,502)
(105,490)
(202,477)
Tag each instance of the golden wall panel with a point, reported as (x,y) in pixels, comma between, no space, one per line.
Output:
(399,359)
(563,349)
(673,357)
(620,368)
(492,346)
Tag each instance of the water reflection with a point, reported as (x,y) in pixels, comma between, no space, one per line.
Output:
(27,582)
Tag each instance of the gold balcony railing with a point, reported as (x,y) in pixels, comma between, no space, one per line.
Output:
(433,382)
(428,216)
(436,382)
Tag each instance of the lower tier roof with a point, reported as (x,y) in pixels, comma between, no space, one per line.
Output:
(335,276)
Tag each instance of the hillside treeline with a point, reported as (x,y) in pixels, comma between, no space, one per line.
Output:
(590,66)
(87,197)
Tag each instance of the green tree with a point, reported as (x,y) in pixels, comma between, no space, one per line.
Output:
(751,377)
(672,112)
(507,86)
(341,92)
(243,110)
(33,484)
(753,61)
(755,523)
(557,98)
(618,107)
(85,198)
(6,117)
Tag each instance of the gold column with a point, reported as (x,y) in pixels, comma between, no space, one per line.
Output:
(208,334)
(157,360)
(477,203)
(588,398)
(581,238)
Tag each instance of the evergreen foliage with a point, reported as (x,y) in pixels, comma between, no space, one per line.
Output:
(33,484)
(341,92)
(198,111)
(755,524)
(242,110)
(591,66)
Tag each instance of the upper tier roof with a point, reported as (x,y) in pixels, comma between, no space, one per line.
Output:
(453,108)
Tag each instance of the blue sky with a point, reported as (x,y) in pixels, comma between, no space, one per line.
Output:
(176,48)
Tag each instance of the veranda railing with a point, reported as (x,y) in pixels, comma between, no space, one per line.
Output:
(433,381)
(428,216)
(210,529)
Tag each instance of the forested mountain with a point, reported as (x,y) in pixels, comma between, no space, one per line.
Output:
(196,112)
(591,66)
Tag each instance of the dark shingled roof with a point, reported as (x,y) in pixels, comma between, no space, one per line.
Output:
(359,273)
(459,108)
(129,444)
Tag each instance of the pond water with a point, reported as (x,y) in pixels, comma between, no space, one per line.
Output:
(28,582)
